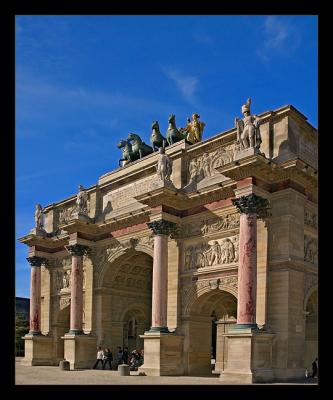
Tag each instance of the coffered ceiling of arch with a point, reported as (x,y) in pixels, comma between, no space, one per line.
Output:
(134,274)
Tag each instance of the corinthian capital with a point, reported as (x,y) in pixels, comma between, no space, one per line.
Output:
(77,249)
(37,261)
(162,227)
(252,204)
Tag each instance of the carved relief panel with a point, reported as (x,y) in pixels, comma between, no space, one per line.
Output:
(310,249)
(203,166)
(212,253)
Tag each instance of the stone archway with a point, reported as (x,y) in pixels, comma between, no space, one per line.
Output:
(311,328)
(135,323)
(124,295)
(214,307)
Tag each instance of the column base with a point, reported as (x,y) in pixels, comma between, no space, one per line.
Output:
(80,350)
(252,327)
(163,354)
(38,349)
(74,332)
(249,356)
(155,329)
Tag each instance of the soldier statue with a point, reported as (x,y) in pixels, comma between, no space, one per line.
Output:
(39,216)
(248,133)
(164,165)
(82,200)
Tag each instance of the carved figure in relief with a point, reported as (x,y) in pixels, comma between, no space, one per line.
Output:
(39,216)
(194,170)
(164,165)
(215,254)
(248,133)
(67,279)
(207,164)
(190,258)
(310,249)
(82,200)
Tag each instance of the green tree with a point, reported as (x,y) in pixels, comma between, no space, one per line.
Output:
(21,328)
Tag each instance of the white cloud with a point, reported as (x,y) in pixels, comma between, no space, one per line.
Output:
(187,85)
(279,38)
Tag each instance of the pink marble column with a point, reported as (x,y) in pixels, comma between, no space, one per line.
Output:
(76,314)
(35,294)
(161,230)
(160,282)
(247,270)
(249,206)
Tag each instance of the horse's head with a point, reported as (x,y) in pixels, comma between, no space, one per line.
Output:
(122,144)
(134,136)
(172,119)
(155,125)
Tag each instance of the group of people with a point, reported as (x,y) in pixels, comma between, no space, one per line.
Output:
(105,357)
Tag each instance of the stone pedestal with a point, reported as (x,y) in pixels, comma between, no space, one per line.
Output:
(247,153)
(163,354)
(38,350)
(249,357)
(80,350)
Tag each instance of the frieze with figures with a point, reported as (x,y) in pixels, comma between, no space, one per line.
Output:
(203,166)
(213,253)
(310,218)
(209,226)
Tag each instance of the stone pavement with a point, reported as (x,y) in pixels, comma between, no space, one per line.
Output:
(54,376)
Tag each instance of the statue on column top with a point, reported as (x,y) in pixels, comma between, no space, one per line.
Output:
(82,200)
(39,216)
(164,165)
(248,133)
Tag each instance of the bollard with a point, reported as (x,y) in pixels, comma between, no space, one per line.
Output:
(124,370)
(64,365)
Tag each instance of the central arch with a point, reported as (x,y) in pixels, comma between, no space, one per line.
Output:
(211,315)
(125,300)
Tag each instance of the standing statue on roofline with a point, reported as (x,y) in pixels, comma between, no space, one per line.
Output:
(39,216)
(248,133)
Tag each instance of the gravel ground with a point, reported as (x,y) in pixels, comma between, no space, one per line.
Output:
(26,375)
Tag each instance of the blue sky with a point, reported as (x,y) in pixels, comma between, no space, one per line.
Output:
(84,82)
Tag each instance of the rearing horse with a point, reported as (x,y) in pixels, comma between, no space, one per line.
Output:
(156,138)
(173,135)
(139,148)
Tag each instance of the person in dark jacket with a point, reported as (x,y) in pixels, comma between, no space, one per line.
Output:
(120,356)
(315,368)
(125,355)
(107,358)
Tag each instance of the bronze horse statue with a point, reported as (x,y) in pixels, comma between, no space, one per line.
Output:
(128,155)
(139,148)
(156,138)
(173,135)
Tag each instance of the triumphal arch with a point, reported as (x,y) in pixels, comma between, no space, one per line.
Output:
(189,249)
